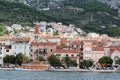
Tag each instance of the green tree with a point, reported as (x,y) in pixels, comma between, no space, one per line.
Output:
(6,59)
(41,58)
(86,63)
(74,63)
(55,33)
(12,59)
(2,29)
(69,62)
(26,59)
(9,59)
(105,60)
(19,58)
(54,61)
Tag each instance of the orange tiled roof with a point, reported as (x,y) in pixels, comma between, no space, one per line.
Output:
(98,48)
(112,50)
(76,42)
(5,37)
(60,47)
(114,47)
(63,41)
(65,51)
(42,43)
(118,49)
(22,39)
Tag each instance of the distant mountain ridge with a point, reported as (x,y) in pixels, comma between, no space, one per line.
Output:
(112,3)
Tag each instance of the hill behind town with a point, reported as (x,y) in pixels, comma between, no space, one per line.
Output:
(89,15)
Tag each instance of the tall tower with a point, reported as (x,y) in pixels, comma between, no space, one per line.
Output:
(36,33)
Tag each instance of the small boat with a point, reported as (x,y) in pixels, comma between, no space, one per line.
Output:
(69,70)
(6,68)
(103,70)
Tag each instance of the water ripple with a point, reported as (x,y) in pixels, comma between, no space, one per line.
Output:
(27,75)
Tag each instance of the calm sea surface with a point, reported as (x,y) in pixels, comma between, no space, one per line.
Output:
(27,75)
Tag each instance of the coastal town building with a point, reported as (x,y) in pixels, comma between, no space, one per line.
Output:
(16,26)
(40,41)
(44,49)
(73,54)
(21,45)
(41,47)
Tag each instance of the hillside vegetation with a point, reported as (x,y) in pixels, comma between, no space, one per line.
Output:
(89,15)
(19,13)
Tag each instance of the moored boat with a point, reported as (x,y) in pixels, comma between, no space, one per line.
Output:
(6,68)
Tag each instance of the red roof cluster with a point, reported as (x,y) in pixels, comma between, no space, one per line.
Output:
(63,41)
(98,48)
(76,43)
(113,48)
(65,51)
(21,39)
(42,43)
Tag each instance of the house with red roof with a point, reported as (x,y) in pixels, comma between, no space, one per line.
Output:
(73,54)
(93,52)
(44,49)
(97,53)
(115,53)
(21,45)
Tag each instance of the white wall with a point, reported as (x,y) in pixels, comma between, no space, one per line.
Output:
(21,48)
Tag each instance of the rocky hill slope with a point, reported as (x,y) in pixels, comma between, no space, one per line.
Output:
(90,15)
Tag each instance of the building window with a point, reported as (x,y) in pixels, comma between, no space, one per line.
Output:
(72,55)
(31,60)
(51,50)
(77,46)
(7,50)
(66,55)
(72,46)
(31,55)
(78,55)
(62,60)
(116,57)
(58,55)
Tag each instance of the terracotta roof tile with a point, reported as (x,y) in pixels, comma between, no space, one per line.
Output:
(112,50)
(42,43)
(113,47)
(21,39)
(63,41)
(98,48)
(76,42)
(65,51)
